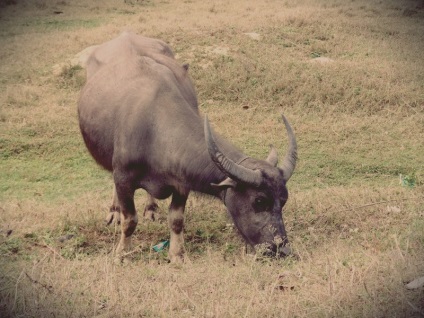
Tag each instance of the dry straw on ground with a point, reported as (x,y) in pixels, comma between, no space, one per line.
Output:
(348,75)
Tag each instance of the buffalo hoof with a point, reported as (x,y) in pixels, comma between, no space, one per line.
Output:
(113,217)
(177,259)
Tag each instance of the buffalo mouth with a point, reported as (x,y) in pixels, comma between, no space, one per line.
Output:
(273,250)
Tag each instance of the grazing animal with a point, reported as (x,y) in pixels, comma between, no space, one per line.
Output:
(139,118)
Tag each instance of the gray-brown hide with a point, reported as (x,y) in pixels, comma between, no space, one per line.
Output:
(139,118)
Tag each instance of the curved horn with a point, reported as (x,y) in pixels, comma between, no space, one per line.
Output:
(226,165)
(289,162)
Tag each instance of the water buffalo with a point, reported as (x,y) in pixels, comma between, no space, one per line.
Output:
(139,118)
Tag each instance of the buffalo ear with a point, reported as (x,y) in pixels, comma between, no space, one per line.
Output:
(273,156)
(227,183)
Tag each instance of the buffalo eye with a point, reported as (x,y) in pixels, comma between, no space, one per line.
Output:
(261,204)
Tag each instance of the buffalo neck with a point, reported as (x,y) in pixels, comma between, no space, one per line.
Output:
(192,164)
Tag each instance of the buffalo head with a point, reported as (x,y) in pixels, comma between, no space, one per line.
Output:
(255,193)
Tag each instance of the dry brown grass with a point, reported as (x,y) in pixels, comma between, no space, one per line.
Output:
(359,120)
(347,267)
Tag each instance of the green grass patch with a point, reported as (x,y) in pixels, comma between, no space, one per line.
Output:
(21,26)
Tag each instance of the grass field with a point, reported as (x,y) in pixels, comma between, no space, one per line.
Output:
(349,76)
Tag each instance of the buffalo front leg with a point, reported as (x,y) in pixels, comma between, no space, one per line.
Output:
(176,225)
(125,195)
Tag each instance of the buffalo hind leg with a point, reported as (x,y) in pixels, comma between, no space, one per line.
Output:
(114,215)
(125,196)
(150,209)
(176,225)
